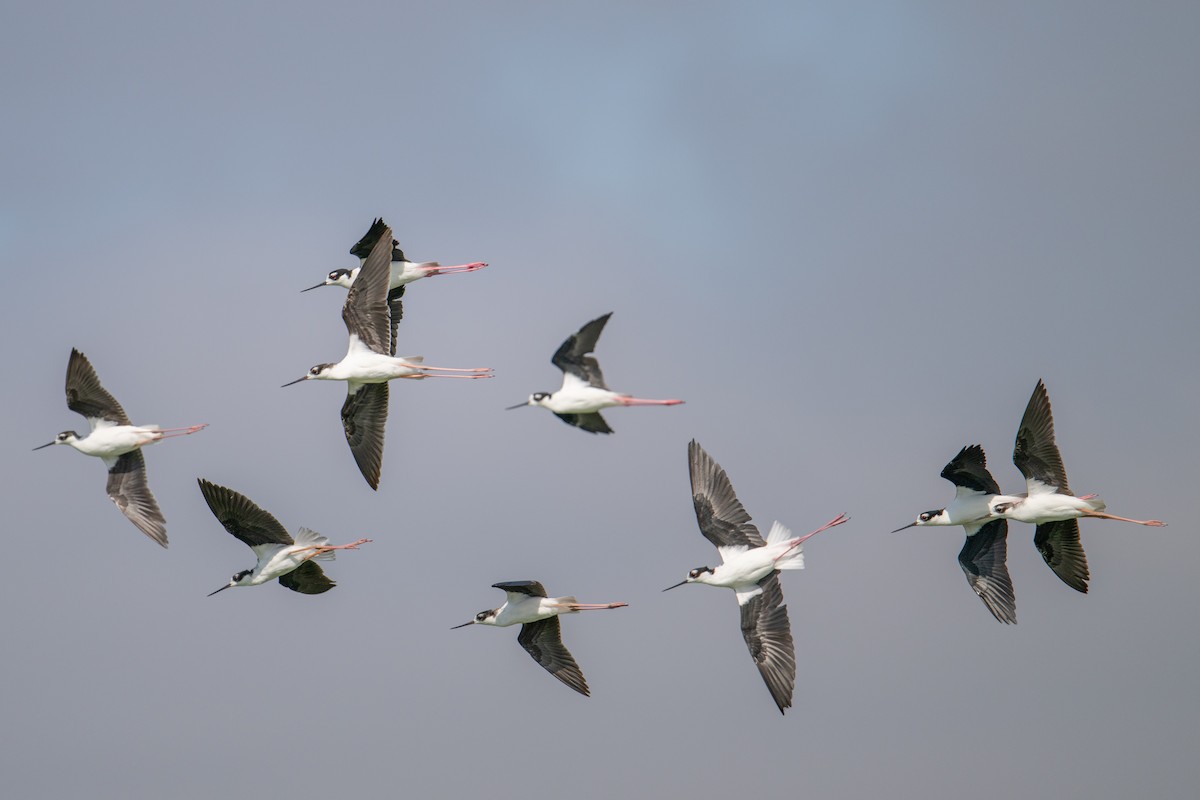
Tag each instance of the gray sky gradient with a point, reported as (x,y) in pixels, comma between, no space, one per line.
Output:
(851,236)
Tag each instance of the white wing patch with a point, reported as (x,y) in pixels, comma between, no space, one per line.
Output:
(1034,486)
(731,552)
(745,593)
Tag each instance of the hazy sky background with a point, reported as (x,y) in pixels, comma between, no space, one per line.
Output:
(851,236)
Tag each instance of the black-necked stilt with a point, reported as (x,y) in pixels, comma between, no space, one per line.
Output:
(527,605)
(750,566)
(279,556)
(1048,501)
(403,271)
(985,551)
(583,391)
(369,363)
(117,441)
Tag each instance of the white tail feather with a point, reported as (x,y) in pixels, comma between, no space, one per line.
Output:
(310,538)
(778,533)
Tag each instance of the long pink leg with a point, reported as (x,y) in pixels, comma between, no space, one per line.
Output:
(435,375)
(440,270)
(833,523)
(1153,523)
(184,431)
(452,369)
(639,401)
(329,548)
(590,606)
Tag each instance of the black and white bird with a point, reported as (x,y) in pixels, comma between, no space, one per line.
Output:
(985,553)
(1048,502)
(583,393)
(292,561)
(403,271)
(369,363)
(118,442)
(750,566)
(527,605)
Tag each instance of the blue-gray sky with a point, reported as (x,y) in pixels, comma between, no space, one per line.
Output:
(852,236)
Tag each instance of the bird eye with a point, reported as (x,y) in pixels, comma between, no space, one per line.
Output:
(481,616)
(924,517)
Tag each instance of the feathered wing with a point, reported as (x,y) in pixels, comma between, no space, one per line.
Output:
(1035,453)
(363,247)
(308,578)
(768,635)
(983,560)
(86,396)
(572,355)
(1058,542)
(128,489)
(521,588)
(592,423)
(968,470)
(543,641)
(365,311)
(239,515)
(721,517)
(364,416)
(395,313)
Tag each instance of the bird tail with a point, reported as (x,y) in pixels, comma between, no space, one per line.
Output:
(793,558)
(565,601)
(413,359)
(311,538)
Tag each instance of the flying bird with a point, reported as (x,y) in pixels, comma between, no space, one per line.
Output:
(583,392)
(750,566)
(292,561)
(117,441)
(526,604)
(369,362)
(985,551)
(1048,502)
(403,271)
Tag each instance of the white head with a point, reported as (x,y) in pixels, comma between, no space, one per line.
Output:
(239,579)
(937,516)
(996,508)
(339,277)
(535,399)
(697,575)
(487,617)
(66,437)
(318,373)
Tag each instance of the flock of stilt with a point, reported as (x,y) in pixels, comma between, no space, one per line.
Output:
(750,564)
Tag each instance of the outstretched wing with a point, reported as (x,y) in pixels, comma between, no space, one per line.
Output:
(592,423)
(968,471)
(363,247)
(721,517)
(543,641)
(249,523)
(308,578)
(1058,542)
(572,355)
(128,489)
(365,311)
(395,312)
(86,396)
(364,416)
(528,588)
(1036,454)
(983,560)
(768,635)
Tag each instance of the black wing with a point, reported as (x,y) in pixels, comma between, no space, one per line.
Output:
(308,578)
(128,489)
(366,311)
(968,470)
(592,423)
(531,588)
(364,415)
(983,560)
(364,245)
(1058,542)
(396,312)
(768,634)
(543,641)
(86,396)
(1036,455)
(572,355)
(719,513)
(241,517)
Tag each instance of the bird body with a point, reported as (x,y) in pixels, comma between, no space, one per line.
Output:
(984,554)
(583,393)
(1044,506)
(279,556)
(118,442)
(750,566)
(527,605)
